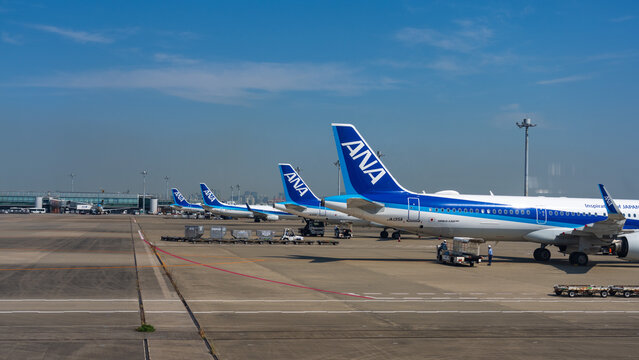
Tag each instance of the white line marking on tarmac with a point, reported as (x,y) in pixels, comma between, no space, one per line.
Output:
(425,293)
(66,300)
(156,270)
(423,312)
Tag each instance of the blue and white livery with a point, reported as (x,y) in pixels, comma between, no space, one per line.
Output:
(180,203)
(577,226)
(257,212)
(301,201)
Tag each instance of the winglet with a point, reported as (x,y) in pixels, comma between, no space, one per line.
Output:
(611,206)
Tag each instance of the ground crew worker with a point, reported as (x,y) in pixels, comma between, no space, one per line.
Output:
(443,245)
(490,255)
(336,231)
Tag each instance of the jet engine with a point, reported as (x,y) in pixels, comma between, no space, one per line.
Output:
(271,217)
(628,247)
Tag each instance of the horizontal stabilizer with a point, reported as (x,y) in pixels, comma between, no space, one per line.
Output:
(295,207)
(363,204)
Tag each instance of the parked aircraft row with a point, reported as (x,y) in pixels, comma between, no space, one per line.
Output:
(576,226)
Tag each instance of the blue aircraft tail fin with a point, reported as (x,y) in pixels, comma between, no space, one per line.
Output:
(295,189)
(362,170)
(208,196)
(178,198)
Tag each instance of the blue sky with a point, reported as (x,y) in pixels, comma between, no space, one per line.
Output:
(222,91)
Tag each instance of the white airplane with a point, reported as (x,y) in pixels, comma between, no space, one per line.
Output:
(301,201)
(576,226)
(180,203)
(257,212)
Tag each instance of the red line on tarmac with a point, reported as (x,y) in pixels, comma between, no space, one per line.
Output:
(246,275)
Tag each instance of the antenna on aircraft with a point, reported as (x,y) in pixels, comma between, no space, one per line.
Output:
(526,123)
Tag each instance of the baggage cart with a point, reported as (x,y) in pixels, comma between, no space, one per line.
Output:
(193,231)
(624,290)
(582,290)
(218,232)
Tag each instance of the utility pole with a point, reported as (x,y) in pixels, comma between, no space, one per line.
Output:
(144,173)
(72,175)
(166,183)
(526,124)
(339,170)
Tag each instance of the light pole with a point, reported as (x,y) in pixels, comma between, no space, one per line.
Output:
(72,175)
(339,169)
(144,173)
(238,192)
(232,187)
(526,124)
(166,183)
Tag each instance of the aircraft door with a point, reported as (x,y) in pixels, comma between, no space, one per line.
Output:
(413,209)
(541,215)
(321,210)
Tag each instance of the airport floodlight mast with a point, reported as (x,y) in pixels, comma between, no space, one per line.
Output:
(339,170)
(238,192)
(166,183)
(72,175)
(144,173)
(232,189)
(526,124)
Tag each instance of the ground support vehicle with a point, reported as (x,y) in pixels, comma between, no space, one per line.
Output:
(465,251)
(582,290)
(289,236)
(312,228)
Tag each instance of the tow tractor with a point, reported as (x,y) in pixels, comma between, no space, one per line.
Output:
(289,236)
(465,251)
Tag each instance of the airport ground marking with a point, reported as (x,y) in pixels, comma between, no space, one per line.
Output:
(246,275)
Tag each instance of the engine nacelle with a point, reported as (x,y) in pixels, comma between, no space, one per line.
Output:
(628,247)
(271,217)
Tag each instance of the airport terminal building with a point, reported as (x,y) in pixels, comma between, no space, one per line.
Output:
(56,202)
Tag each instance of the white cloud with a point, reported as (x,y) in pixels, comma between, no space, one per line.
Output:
(220,83)
(622,18)
(174,59)
(77,36)
(467,38)
(7,38)
(564,80)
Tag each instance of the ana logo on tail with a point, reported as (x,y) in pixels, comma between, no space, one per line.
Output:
(297,183)
(179,196)
(209,195)
(355,147)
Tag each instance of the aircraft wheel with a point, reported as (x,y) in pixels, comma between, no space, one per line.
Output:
(603,293)
(544,254)
(581,259)
(396,235)
(383,234)
(536,254)
(571,258)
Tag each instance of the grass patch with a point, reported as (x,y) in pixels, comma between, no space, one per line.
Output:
(145,328)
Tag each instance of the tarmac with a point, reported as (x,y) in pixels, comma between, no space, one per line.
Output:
(77,287)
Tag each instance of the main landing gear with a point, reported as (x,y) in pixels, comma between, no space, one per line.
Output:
(384,234)
(578,258)
(542,254)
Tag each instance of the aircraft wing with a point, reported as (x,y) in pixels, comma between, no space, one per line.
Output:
(257,214)
(363,204)
(609,227)
(295,207)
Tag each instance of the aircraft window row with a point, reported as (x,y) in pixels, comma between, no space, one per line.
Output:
(482,211)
